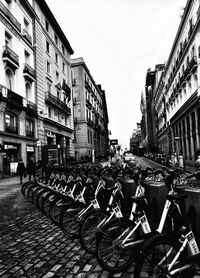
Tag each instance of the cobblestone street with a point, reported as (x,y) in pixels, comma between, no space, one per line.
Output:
(31,246)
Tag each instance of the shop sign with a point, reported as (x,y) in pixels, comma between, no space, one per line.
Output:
(29,148)
(6,146)
(13,167)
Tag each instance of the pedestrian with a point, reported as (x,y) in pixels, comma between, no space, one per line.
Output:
(21,169)
(31,169)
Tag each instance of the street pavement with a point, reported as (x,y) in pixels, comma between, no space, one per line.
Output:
(32,247)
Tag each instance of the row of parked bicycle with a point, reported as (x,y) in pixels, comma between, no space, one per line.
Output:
(107,208)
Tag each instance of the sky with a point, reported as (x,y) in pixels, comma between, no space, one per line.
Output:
(119,41)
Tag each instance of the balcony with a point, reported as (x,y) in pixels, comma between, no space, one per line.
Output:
(193,64)
(190,31)
(14,99)
(55,101)
(9,16)
(27,36)
(29,73)
(10,58)
(11,128)
(31,105)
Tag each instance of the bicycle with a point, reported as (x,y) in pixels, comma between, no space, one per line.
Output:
(170,255)
(119,241)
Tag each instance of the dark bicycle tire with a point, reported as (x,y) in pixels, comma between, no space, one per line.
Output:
(56,207)
(69,221)
(31,191)
(111,255)
(151,262)
(45,200)
(36,193)
(26,188)
(89,228)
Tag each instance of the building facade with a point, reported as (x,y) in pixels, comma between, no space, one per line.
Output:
(18,106)
(36,108)
(90,114)
(54,88)
(176,94)
(181,129)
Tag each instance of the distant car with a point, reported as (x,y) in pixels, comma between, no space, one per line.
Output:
(129,157)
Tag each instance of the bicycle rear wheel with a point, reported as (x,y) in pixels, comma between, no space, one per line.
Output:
(155,258)
(112,255)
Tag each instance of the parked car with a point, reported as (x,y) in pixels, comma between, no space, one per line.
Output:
(129,157)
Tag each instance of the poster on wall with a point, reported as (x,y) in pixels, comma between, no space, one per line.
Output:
(13,167)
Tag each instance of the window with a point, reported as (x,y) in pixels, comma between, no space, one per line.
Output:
(47,47)
(58,94)
(8,39)
(9,79)
(26,57)
(49,112)
(29,128)
(46,25)
(48,87)
(56,58)
(56,38)
(11,122)
(48,67)
(63,50)
(88,135)
(26,24)
(28,91)
(63,67)
(57,76)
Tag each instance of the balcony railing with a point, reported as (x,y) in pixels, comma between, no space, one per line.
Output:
(57,102)
(11,129)
(31,105)
(193,63)
(10,57)
(29,72)
(10,16)
(27,36)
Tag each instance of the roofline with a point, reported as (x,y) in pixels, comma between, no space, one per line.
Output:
(43,5)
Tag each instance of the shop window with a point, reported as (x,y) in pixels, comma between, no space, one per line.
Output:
(30,128)
(11,123)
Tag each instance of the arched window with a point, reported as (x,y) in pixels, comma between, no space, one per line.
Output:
(9,79)
(28,90)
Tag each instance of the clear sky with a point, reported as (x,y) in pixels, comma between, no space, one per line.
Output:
(119,40)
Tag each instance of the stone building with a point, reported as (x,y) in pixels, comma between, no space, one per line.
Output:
(90,113)
(54,88)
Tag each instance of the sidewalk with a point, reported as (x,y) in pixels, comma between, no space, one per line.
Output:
(15,180)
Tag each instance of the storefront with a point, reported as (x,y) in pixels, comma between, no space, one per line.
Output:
(10,158)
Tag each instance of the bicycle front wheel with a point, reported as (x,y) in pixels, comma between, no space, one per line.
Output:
(113,253)
(89,226)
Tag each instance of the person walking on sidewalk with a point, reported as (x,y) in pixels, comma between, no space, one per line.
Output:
(21,169)
(31,169)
